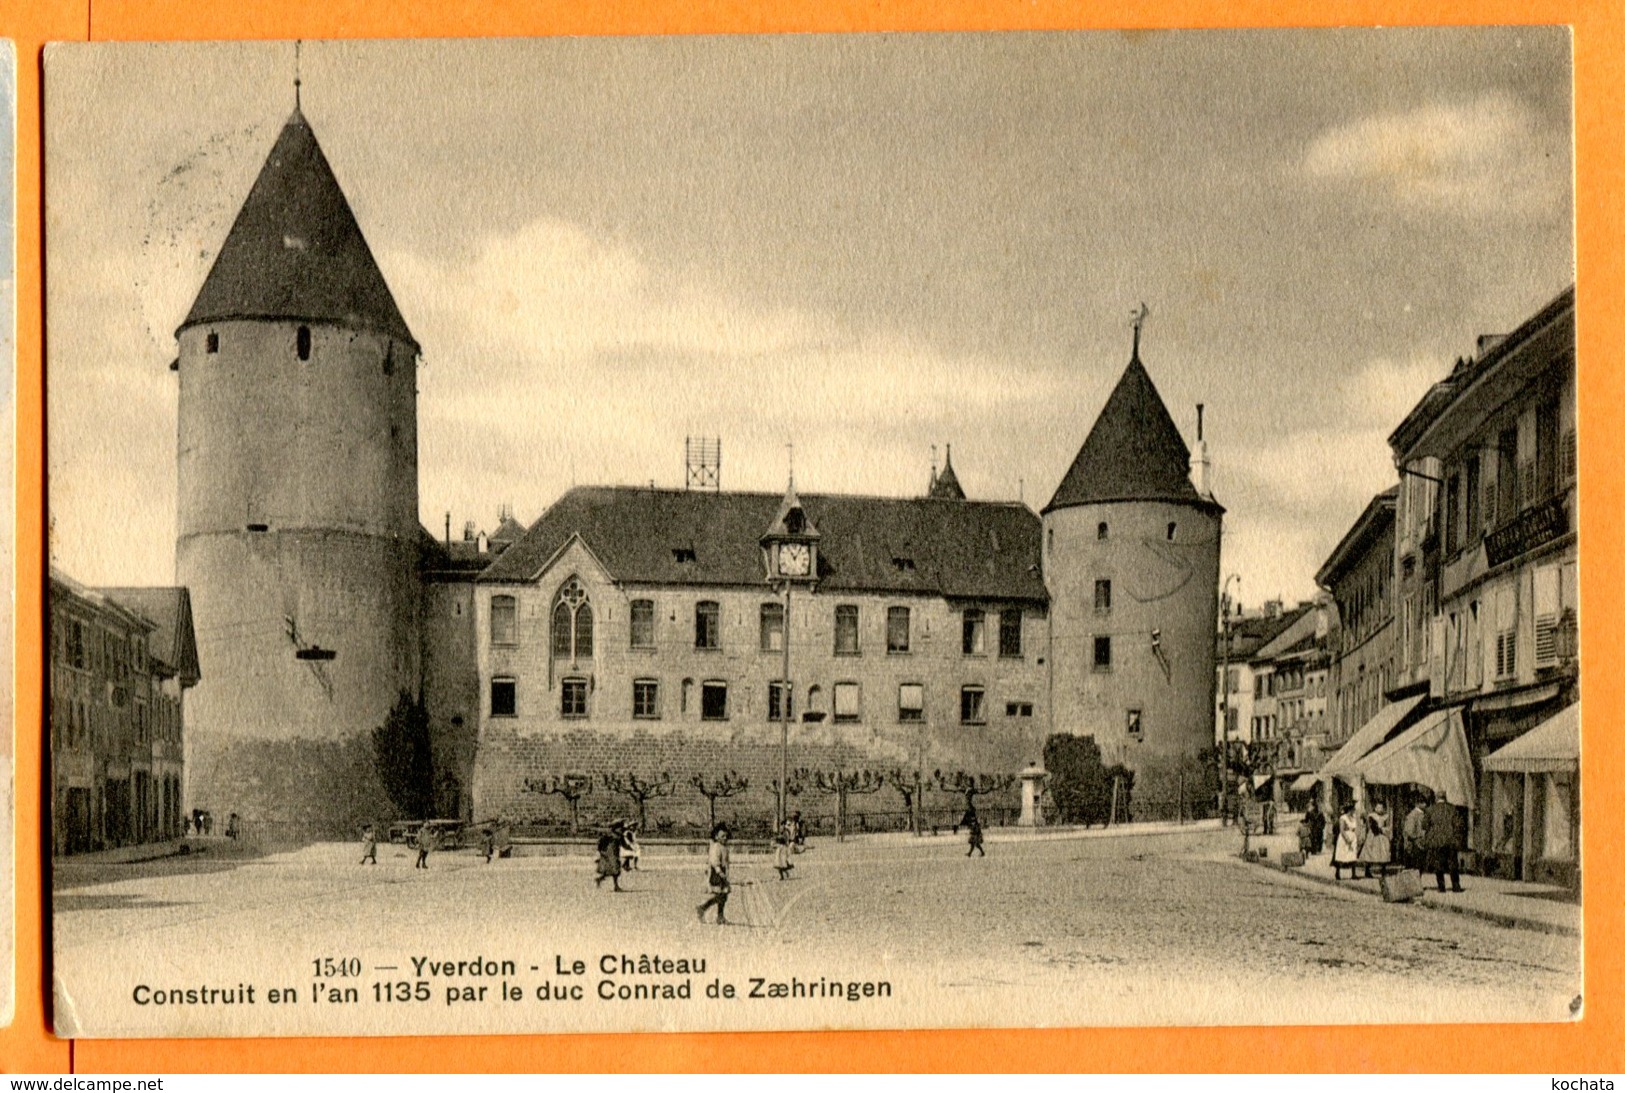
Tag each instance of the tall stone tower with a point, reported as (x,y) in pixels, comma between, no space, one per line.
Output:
(298,506)
(1131,561)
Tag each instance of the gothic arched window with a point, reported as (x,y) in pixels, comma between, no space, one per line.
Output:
(572,622)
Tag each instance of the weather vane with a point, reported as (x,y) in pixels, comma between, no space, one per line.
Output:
(1139,315)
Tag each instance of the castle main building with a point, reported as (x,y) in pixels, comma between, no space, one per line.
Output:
(630,630)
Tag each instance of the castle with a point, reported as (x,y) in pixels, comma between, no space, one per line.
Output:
(632,630)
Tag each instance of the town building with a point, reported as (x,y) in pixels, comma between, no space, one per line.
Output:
(1359,576)
(1499,435)
(121,662)
(634,631)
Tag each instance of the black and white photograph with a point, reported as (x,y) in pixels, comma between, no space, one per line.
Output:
(1004,529)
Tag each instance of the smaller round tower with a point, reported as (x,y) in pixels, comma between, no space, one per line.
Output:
(1131,561)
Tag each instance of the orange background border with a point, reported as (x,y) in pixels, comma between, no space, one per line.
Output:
(1592,1045)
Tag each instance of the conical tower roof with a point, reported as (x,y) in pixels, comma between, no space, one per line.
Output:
(295,250)
(1134,452)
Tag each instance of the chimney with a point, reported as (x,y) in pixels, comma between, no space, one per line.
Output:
(1201,468)
(483,544)
(469,528)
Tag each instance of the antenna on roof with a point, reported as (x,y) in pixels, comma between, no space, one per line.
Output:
(296,44)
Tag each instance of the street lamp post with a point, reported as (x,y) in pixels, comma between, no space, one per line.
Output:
(1224,700)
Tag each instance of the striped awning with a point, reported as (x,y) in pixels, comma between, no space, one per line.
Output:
(1367,737)
(1551,746)
(1432,753)
(1303,783)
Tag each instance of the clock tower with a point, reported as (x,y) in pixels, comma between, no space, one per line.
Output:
(790,556)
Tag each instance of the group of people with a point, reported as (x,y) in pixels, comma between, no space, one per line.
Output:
(1431,839)
(618,852)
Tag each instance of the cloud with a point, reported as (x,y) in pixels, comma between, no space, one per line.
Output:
(1383,391)
(1487,155)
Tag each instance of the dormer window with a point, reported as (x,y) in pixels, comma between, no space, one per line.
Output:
(903,565)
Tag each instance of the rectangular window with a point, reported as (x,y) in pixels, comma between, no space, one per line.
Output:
(1103,654)
(1010,632)
(1103,597)
(772,627)
(847,702)
(971,705)
(1474,490)
(643,624)
(897,627)
(645,698)
(1018,709)
(1548,611)
(1546,448)
(1134,725)
(573,698)
(1452,514)
(504,701)
(1506,476)
(1506,633)
(714,700)
(846,630)
(1235,680)
(707,625)
(911,702)
(779,693)
(974,633)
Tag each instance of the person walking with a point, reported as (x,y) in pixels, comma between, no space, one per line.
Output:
(781,855)
(973,823)
(1443,834)
(1378,848)
(1411,832)
(369,846)
(424,840)
(1346,845)
(1317,828)
(716,861)
(488,843)
(631,851)
(609,856)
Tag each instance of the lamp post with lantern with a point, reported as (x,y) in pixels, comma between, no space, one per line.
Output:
(790,557)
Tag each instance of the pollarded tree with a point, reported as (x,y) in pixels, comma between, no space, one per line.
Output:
(641,790)
(730,784)
(572,787)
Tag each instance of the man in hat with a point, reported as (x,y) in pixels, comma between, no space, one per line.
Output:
(1443,834)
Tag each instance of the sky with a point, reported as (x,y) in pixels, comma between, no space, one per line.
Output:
(839,250)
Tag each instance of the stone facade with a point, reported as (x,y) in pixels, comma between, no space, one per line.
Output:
(691,701)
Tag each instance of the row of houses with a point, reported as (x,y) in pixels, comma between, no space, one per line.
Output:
(1443,652)
(122,660)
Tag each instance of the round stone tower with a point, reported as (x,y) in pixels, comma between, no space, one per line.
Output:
(1131,561)
(298,506)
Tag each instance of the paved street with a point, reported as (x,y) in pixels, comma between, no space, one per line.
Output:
(1077,931)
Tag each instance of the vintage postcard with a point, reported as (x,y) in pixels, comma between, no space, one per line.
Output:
(862,531)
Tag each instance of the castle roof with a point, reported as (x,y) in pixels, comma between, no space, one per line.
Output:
(295,250)
(1133,453)
(697,538)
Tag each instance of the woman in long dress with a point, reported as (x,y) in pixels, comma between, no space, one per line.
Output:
(609,856)
(1346,847)
(1378,848)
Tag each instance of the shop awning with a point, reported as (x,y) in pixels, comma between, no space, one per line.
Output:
(1432,753)
(1260,779)
(1368,736)
(1553,745)
(1303,783)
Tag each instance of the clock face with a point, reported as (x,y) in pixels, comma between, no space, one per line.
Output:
(795,559)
